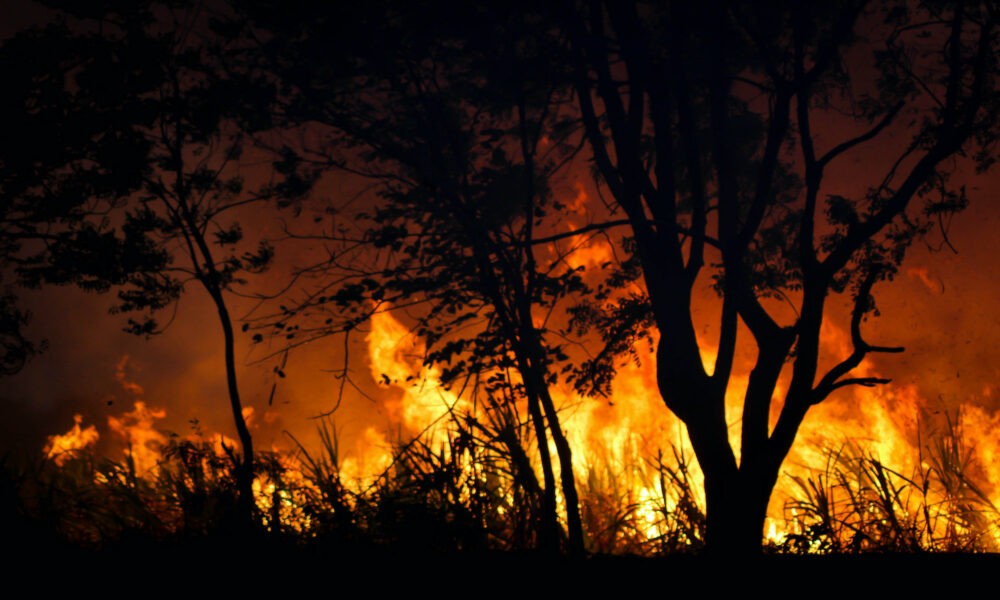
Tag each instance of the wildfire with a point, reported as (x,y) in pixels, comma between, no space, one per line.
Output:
(143,442)
(62,448)
(633,460)
(396,361)
(631,454)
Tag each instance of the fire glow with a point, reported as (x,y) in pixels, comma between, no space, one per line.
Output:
(867,458)
(631,454)
(864,456)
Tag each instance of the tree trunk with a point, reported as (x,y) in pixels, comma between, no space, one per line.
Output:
(736,496)
(534,380)
(735,513)
(548,533)
(245,470)
(528,493)
(574,522)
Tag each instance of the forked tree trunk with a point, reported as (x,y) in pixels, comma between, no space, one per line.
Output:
(530,362)
(574,521)
(736,496)
(736,512)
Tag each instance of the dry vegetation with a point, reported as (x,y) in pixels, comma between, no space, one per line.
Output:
(458,496)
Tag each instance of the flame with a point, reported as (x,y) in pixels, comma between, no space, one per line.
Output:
(371,458)
(615,440)
(120,376)
(62,448)
(588,252)
(396,357)
(144,443)
(631,453)
(580,203)
(981,428)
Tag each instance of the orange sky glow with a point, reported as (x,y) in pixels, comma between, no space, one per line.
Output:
(98,387)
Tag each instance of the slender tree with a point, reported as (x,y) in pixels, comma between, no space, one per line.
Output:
(135,180)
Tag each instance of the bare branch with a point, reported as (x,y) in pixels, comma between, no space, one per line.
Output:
(868,135)
(862,306)
(609,224)
(862,381)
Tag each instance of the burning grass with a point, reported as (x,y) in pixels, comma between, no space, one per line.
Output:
(462,490)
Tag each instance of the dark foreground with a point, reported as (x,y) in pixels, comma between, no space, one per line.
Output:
(254,568)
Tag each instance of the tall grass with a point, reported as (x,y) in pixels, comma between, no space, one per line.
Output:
(855,503)
(90,500)
(474,488)
(648,508)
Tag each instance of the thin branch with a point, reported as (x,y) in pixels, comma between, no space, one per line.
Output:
(868,135)
(862,381)
(343,377)
(862,306)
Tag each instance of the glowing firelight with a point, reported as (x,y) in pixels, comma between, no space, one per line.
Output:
(630,452)
(61,448)
(143,441)
(396,358)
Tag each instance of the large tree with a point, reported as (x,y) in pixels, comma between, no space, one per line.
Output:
(702,118)
(702,121)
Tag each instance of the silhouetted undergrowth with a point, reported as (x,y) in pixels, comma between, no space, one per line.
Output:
(857,503)
(463,488)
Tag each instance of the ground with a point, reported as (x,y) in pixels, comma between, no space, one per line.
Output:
(235,567)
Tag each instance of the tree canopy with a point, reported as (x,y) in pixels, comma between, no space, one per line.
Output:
(709,130)
(125,173)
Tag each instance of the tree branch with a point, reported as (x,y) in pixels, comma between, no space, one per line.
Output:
(868,135)
(832,380)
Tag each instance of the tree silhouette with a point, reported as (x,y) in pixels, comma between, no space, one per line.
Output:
(126,168)
(702,120)
(463,138)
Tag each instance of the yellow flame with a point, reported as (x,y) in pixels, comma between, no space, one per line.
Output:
(622,444)
(372,456)
(61,448)
(143,441)
(396,358)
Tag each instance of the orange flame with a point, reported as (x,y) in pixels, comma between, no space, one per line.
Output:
(396,358)
(621,444)
(120,376)
(143,442)
(62,448)
(372,456)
